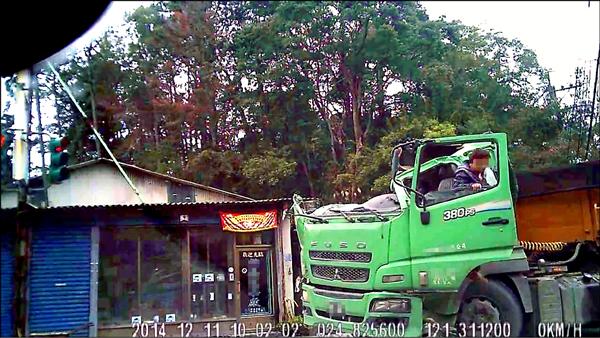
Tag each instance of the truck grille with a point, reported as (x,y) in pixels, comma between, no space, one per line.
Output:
(340,273)
(344,318)
(338,294)
(364,257)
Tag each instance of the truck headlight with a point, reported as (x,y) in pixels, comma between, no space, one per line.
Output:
(304,296)
(391,305)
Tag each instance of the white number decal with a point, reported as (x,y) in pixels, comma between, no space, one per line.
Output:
(458,213)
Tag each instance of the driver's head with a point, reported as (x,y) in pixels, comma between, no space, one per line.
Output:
(479,160)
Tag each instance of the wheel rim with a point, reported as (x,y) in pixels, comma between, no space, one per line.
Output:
(479,310)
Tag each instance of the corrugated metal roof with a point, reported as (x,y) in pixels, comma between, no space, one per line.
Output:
(154,173)
(208,203)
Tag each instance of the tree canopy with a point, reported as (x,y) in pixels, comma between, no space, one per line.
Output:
(269,98)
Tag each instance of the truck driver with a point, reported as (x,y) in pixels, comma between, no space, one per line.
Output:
(470,175)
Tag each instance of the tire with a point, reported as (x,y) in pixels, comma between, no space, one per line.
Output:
(505,305)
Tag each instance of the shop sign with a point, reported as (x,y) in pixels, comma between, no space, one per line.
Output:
(245,222)
(253,254)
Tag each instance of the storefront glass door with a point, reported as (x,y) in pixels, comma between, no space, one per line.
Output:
(255,281)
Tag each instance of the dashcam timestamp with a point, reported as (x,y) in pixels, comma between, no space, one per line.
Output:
(238,330)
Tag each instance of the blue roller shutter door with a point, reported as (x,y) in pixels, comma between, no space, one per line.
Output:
(59,285)
(7,286)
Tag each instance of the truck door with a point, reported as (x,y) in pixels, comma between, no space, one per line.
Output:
(464,228)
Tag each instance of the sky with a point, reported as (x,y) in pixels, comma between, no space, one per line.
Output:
(564,35)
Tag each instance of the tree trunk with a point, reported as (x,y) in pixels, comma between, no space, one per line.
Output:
(304,167)
(214,123)
(333,141)
(155,131)
(356,112)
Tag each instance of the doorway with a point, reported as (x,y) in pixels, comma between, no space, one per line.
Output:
(255,284)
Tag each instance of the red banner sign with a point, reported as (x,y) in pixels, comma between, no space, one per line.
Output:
(242,222)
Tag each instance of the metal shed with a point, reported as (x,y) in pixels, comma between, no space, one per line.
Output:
(65,266)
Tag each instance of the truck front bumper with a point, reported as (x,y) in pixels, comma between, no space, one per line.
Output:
(330,313)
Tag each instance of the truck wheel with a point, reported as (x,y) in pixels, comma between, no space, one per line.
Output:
(489,301)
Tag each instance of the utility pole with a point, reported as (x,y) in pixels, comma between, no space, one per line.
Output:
(579,109)
(88,54)
(21,127)
(589,138)
(21,176)
(29,112)
(40,130)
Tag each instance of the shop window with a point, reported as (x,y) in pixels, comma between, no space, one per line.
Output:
(256,291)
(161,277)
(117,276)
(140,275)
(142,270)
(212,273)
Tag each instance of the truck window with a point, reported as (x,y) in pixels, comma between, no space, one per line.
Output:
(449,171)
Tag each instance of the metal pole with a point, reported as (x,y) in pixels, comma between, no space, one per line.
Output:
(21,176)
(95,119)
(21,127)
(29,112)
(589,138)
(40,129)
(93,101)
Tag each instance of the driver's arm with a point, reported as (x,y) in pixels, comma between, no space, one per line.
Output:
(461,181)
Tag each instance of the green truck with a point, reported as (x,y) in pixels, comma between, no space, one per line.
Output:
(430,260)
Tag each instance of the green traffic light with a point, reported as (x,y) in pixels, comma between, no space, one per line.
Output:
(57,175)
(58,160)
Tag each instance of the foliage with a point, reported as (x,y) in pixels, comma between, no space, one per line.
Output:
(268,171)
(270,98)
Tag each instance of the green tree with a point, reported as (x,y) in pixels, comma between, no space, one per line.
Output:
(269,98)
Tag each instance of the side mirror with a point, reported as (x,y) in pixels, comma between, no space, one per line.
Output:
(425,217)
(395,160)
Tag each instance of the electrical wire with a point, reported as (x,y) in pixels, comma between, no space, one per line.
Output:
(96,133)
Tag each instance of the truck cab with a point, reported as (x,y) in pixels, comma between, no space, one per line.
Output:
(422,254)
(433,258)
